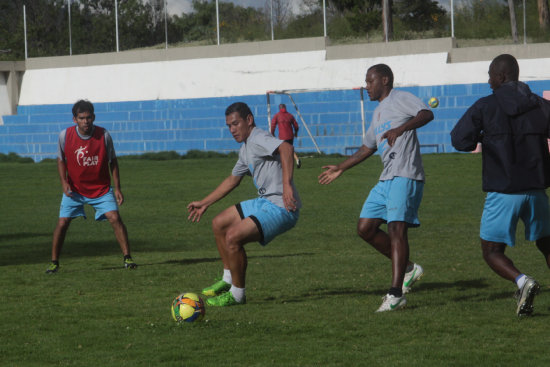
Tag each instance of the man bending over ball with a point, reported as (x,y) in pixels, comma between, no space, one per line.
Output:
(396,197)
(270,162)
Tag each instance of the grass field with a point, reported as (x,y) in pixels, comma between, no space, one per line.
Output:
(311,293)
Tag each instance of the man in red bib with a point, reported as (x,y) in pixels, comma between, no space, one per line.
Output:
(86,161)
(288,128)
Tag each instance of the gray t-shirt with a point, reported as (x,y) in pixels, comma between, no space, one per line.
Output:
(108,143)
(403,159)
(257,159)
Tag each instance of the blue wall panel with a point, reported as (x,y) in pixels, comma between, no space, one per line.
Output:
(333,117)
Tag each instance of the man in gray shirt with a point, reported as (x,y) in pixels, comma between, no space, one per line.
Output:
(270,162)
(396,197)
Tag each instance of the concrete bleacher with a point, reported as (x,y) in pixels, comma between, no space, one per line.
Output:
(333,117)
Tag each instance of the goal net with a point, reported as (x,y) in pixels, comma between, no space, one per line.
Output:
(290,92)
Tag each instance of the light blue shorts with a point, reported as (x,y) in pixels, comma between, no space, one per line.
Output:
(395,200)
(270,219)
(502,212)
(73,206)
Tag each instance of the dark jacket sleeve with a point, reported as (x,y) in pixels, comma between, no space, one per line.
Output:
(467,132)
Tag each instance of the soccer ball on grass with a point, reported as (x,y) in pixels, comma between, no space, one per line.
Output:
(188,307)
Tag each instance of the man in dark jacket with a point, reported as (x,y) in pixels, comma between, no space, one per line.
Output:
(513,125)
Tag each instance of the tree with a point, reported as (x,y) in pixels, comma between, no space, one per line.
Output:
(236,23)
(308,24)
(362,16)
(11,30)
(281,12)
(544,14)
(419,15)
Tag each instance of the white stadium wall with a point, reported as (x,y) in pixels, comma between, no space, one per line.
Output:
(174,99)
(233,75)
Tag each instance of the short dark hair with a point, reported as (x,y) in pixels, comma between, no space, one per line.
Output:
(83,105)
(282,105)
(241,108)
(384,71)
(508,65)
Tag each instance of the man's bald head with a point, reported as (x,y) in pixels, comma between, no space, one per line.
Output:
(504,68)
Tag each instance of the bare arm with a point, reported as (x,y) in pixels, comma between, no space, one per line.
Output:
(115,174)
(286,151)
(421,119)
(62,170)
(332,172)
(197,208)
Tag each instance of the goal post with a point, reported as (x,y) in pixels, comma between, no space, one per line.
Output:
(361,89)
(297,111)
(289,93)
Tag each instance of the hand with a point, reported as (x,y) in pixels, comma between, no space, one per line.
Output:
(196,209)
(288,198)
(392,135)
(330,174)
(67,189)
(119,197)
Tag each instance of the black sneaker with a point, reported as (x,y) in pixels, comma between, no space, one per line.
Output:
(129,263)
(52,268)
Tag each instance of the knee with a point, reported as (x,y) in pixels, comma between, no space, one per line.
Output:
(491,250)
(366,231)
(63,223)
(113,217)
(233,240)
(217,224)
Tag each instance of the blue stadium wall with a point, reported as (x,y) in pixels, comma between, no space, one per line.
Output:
(333,118)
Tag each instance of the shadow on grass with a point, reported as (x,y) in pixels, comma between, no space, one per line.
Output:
(16,249)
(21,236)
(205,260)
(39,251)
(461,285)
(214,259)
(319,294)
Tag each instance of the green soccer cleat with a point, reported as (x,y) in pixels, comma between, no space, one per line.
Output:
(129,263)
(411,277)
(216,289)
(224,300)
(52,268)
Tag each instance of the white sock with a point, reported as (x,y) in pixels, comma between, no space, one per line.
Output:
(520,280)
(238,293)
(227,276)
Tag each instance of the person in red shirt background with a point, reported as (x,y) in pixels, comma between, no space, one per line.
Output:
(288,128)
(86,162)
